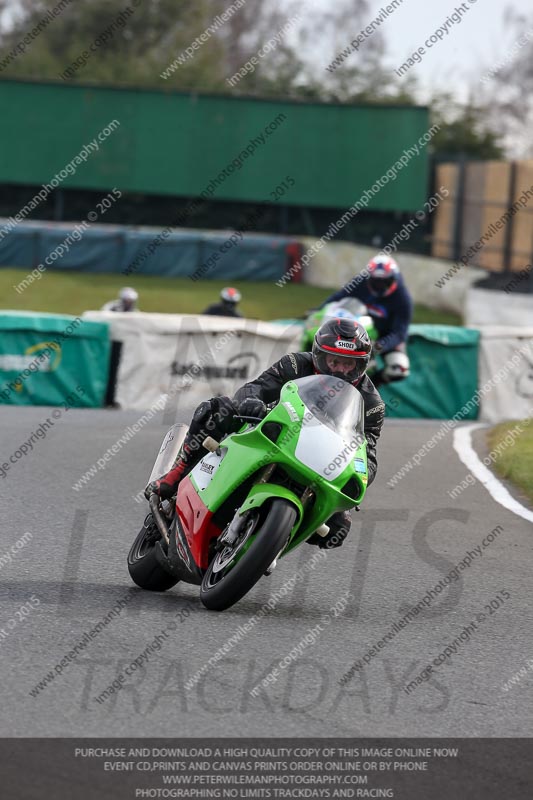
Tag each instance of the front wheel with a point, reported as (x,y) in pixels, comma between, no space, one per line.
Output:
(227,580)
(143,566)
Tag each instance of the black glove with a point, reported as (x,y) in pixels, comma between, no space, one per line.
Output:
(217,409)
(203,412)
(252,407)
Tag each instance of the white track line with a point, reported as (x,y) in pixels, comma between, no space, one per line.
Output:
(462,443)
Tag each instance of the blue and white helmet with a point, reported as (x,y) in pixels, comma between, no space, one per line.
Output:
(383,273)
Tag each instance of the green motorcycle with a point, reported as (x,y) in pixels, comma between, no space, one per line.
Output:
(348,307)
(257,494)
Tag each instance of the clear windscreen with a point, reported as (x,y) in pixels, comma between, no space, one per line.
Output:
(168,450)
(333,403)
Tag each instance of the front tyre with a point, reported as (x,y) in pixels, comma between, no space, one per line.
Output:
(143,566)
(226,580)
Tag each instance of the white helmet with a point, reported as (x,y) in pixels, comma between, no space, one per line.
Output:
(128,298)
(230,295)
(127,293)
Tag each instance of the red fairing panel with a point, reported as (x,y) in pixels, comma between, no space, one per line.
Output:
(197,522)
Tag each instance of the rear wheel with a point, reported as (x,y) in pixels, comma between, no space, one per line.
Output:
(143,566)
(228,579)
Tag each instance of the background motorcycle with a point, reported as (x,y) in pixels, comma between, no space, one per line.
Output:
(348,307)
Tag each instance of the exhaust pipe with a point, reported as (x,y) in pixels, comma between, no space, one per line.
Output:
(158,517)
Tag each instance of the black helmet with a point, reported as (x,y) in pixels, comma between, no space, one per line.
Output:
(342,348)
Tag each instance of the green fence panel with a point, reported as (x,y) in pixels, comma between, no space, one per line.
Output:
(230,148)
(444,374)
(52,360)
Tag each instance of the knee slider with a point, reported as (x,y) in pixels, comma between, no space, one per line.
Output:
(339,528)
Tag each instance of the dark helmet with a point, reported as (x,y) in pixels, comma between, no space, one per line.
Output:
(383,273)
(342,348)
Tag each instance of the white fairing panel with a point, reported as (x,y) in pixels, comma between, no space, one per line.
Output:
(323,450)
(206,468)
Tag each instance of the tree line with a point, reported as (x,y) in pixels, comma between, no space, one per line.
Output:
(150,43)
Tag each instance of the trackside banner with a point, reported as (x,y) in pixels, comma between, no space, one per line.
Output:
(46,358)
(506,373)
(190,357)
(444,375)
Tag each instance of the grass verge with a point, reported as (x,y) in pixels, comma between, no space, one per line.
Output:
(514,462)
(75,292)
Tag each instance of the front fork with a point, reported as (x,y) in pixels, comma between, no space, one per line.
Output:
(233,531)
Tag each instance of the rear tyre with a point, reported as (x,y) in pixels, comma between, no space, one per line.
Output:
(143,566)
(226,582)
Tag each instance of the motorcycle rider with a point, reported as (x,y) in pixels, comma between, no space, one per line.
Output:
(230,298)
(342,349)
(382,289)
(126,301)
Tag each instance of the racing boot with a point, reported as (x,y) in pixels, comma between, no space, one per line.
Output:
(339,528)
(211,418)
(167,486)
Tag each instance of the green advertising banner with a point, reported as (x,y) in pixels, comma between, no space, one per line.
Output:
(52,360)
(444,374)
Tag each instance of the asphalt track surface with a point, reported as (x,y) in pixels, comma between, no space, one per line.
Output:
(403,542)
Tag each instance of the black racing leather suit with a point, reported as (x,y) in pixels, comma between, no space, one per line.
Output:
(267,387)
(222,310)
